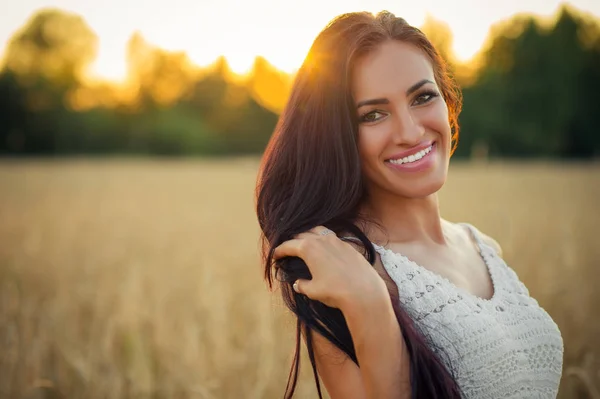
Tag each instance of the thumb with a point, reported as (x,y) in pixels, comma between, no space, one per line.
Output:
(300,286)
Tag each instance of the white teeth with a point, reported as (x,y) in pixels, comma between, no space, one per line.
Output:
(413,157)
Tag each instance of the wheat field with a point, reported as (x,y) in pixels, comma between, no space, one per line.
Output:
(140,278)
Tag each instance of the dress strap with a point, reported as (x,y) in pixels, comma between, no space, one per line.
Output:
(350,238)
(379,249)
(475,234)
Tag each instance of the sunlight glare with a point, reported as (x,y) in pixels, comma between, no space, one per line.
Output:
(108,67)
(280,31)
(240,63)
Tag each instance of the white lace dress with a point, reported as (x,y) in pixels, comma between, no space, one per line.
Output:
(504,347)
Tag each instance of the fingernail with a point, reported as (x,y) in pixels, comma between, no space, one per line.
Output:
(295,285)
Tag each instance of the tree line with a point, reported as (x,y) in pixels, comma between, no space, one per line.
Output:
(530,92)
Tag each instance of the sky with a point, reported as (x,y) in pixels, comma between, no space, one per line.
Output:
(281,31)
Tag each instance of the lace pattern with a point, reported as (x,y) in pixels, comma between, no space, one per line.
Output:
(503,347)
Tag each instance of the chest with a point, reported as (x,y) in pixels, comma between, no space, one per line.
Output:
(466,270)
(494,346)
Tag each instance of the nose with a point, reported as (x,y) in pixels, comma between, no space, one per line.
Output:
(407,129)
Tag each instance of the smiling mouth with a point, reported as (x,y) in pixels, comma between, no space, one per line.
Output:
(412,158)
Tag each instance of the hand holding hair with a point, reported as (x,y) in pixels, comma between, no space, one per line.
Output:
(341,276)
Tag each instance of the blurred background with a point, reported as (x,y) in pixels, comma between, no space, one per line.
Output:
(130,136)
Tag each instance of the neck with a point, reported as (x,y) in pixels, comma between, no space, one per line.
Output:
(403,219)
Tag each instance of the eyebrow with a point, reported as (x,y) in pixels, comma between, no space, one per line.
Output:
(377,101)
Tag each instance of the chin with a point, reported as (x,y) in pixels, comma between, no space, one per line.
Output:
(421,192)
(421,188)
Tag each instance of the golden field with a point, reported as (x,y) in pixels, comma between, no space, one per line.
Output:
(138,278)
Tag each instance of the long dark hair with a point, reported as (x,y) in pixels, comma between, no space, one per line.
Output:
(311,175)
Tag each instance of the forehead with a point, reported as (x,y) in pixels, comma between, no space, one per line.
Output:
(391,68)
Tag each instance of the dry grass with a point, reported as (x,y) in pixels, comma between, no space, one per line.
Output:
(141,279)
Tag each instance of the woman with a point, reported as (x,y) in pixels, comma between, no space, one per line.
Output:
(347,203)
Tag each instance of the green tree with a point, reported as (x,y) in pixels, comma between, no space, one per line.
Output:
(55,46)
(440,34)
(44,61)
(229,110)
(527,100)
(159,77)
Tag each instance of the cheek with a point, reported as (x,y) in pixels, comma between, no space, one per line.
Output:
(371,143)
(435,121)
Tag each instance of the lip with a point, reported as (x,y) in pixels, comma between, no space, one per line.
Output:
(422,164)
(412,151)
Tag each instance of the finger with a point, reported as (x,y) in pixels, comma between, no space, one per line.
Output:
(287,248)
(300,286)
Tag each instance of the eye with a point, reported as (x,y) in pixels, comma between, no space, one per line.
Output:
(425,97)
(372,116)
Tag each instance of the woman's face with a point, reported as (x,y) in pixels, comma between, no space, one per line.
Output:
(404,132)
